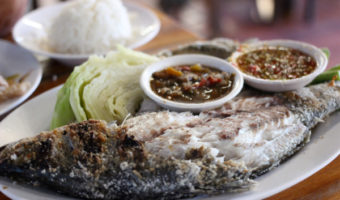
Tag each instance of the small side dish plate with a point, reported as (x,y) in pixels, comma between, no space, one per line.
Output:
(288,84)
(30,31)
(191,59)
(16,60)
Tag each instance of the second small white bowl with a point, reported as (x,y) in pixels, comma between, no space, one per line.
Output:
(190,59)
(283,85)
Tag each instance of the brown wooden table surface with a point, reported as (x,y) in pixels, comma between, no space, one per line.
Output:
(324,184)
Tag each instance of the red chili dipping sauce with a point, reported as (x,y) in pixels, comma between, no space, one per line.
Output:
(276,63)
(191,83)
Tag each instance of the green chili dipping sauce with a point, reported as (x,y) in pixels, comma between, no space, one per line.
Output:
(278,63)
(191,83)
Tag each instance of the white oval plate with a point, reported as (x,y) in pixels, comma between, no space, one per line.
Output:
(321,150)
(16,60)
(30,31)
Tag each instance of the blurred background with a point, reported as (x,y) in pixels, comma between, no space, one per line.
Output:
(316,22)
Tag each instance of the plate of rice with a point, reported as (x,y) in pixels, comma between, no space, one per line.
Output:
(70,32)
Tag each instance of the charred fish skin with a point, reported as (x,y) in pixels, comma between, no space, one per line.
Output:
(313,103)
(90,160)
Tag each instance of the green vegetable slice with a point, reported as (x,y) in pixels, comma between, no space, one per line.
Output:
(105,88)
(336,68)
(326,76)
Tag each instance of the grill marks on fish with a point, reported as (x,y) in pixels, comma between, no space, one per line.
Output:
(172,155)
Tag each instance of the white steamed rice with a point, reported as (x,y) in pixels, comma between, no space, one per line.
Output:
(90,26)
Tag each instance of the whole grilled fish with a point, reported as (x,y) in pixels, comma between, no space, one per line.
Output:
(168,155)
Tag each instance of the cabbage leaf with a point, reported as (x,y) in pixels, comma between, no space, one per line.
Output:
(105,88)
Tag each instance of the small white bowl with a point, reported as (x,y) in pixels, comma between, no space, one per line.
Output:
(31,30)
(283,85)
(190,59)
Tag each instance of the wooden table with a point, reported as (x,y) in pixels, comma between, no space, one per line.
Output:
(325,184)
